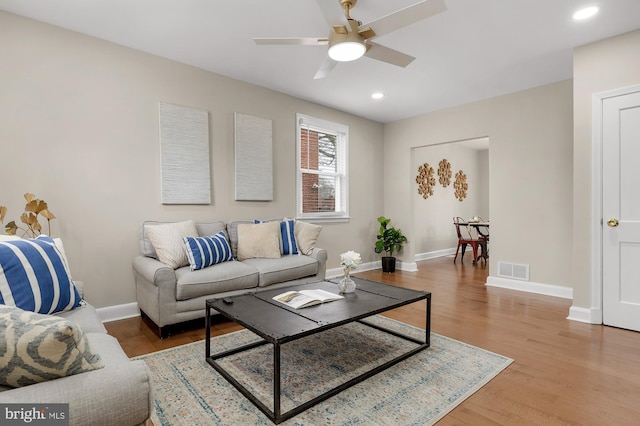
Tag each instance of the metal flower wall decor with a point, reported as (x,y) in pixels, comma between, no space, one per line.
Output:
(444,172)
(425,180)
(29,218)
(461,186)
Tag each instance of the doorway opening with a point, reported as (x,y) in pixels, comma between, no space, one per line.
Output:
(449,179)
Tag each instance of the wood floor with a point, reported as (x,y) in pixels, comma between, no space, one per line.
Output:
(565,372)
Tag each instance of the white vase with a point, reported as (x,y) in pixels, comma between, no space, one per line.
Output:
(347,285)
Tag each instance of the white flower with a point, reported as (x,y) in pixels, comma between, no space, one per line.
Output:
(350,260)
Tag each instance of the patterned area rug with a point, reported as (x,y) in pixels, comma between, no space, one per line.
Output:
(418,391)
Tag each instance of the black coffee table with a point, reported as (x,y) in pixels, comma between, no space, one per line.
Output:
(277,324)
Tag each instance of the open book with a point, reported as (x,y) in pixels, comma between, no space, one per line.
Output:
(304,298)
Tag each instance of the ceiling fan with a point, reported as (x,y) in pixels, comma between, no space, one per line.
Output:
(349,40)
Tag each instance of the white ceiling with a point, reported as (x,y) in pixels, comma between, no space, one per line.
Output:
(475,50)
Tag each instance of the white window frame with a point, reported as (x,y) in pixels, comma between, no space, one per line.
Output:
(342,176)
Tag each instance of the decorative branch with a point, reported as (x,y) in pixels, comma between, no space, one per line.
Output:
(32,210)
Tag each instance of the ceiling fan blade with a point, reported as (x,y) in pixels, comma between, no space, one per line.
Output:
(407,16)
(385,54)
(306,41)
(326,67)
(333,12)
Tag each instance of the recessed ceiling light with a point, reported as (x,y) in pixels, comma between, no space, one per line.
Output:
(377,95)
(585,13)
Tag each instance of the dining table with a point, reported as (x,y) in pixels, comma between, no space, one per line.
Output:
(482,228)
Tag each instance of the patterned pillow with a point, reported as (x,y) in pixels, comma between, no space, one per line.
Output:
(35,277)
(35,348)
(207,251)
(167,241)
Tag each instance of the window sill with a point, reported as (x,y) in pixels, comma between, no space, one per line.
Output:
(325,219)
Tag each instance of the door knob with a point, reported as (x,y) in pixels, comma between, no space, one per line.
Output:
(613,222)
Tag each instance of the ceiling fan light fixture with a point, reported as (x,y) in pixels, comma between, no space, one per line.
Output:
(347,51)
(347,46)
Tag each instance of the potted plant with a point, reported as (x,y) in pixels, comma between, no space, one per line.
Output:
(390,240)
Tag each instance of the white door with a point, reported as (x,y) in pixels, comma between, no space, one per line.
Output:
(621,211)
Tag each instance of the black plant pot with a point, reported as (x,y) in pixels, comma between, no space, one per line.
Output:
(388,264)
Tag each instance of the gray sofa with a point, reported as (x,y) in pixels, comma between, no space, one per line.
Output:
(117,394)
(168,296)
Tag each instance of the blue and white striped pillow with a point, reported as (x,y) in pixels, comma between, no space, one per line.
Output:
(288,243)
(34,277)
(207,251)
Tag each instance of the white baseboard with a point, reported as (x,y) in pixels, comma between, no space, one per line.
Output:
(528,286)
(407,266)
(118,312)
(591,316)
(369,266)
(339,272)
(433,254)
(586,315)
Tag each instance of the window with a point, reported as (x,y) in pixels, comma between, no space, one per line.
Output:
(322,175)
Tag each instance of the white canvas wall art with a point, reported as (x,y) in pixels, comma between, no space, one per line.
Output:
(184,155)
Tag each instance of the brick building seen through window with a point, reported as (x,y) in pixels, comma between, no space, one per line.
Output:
(322,169)
(318,153)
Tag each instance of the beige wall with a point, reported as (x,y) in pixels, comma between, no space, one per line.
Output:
(433,230)
(598,67)
(530,173)
(79,128)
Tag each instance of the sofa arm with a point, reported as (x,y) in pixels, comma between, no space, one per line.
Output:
(319,254)
(106,397)
(155,290)
(154,271)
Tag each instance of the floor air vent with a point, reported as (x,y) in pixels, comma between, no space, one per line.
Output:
(513,270)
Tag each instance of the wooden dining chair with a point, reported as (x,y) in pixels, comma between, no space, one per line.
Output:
(465,239)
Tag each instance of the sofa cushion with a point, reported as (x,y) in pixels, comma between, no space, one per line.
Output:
(306,236)
(35,348)
(35,277)
(261,240)
(167,241)
(286,268)
(86,317)
(226,276)
(207,251)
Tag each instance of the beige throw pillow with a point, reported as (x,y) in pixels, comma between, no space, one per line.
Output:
(306,236)
(260,240)
(167,241)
